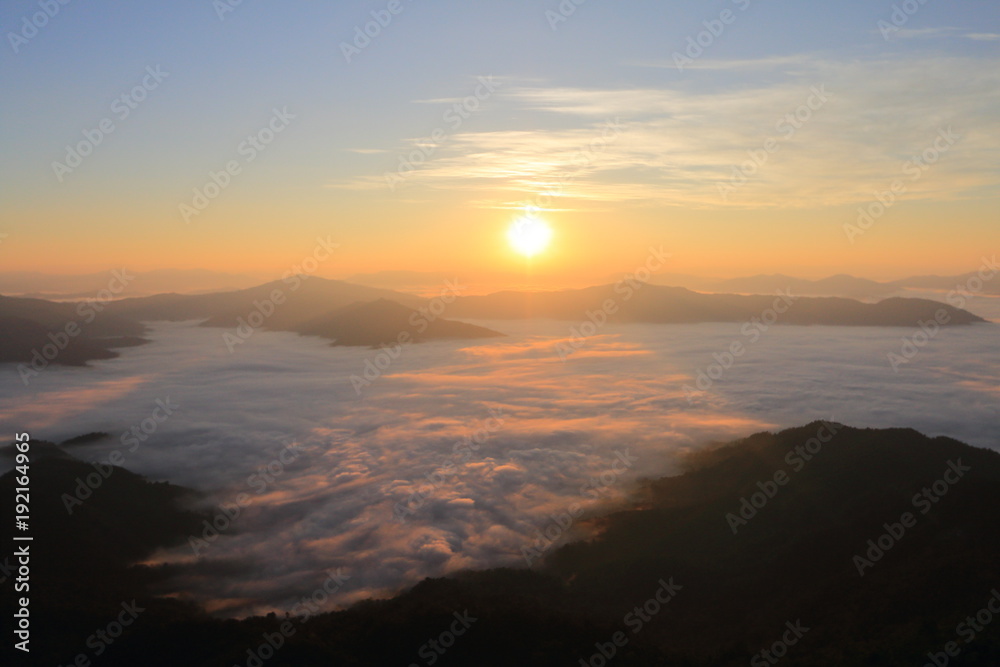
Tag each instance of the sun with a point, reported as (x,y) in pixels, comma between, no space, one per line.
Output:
(529,236)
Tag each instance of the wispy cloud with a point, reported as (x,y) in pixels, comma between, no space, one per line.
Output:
(728,65)
(914,33)
(681,142)
(943,31)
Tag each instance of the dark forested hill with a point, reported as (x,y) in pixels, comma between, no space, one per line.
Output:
(824,545)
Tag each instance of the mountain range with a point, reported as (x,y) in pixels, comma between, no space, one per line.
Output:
(82,286)
(349,314)
(842,285)
(198,281)
(636,302)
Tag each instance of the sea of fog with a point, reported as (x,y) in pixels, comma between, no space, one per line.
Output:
(458,453)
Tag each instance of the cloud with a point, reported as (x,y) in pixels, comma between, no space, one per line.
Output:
(943,31)
(492,438)
(914,33)
(682,141)
(731,65)
(36,408)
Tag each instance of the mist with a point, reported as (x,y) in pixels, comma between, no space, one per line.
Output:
(452,455)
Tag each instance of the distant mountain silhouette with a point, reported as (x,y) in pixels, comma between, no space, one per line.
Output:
(950,283)
(398,279)
(345,313)
(839,285)
(316,306)
(54,315)
(78,286)
(381,322)
(793,562)
(307,305)
(658,304)
(304,299)
(64,333)
(200,281)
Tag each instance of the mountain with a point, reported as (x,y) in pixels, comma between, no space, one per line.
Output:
(90,526)
(842,285)
(626,302)
(93,318)
(839,285)
(382,322)
(802,544)
(824,544)
(43,332)
(317,306)
(301,299)
(949,283)
(23,340)
(79,286)
(685,280)
(346,313)
(409,280)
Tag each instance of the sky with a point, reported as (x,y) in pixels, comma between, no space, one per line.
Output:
(741,136)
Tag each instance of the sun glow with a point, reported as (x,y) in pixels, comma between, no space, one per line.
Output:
(529,236)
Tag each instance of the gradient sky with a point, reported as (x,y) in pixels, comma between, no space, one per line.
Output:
(656,183)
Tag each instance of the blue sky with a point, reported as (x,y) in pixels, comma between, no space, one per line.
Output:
(354,120)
